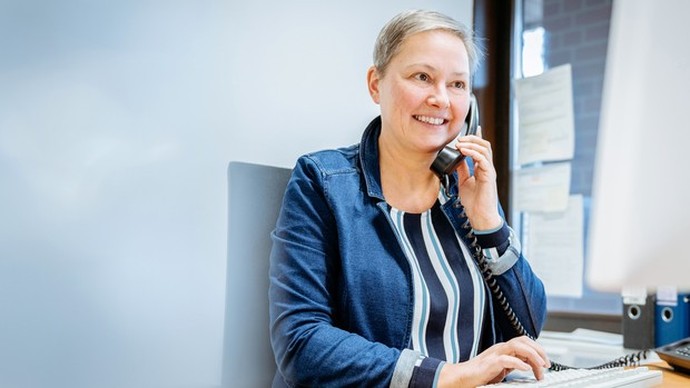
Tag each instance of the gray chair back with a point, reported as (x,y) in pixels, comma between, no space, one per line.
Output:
(254,198)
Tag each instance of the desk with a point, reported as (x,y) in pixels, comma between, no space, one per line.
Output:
(671,378)
(586,348)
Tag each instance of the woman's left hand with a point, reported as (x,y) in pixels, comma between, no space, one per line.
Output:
(478,192)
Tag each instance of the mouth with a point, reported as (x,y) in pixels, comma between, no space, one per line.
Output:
(430,120)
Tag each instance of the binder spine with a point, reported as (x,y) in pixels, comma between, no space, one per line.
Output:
(672,319)
(638,322)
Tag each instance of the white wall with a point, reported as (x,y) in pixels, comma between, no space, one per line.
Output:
(117,121)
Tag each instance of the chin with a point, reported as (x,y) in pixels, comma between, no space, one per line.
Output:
(433,148)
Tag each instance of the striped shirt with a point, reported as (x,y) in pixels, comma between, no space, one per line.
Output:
(450,300)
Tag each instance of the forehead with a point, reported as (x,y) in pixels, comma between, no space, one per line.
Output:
(436,46)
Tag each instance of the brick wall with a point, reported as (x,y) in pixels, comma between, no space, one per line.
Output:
(577,33)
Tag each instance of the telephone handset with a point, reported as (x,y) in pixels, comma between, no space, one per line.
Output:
(449,157)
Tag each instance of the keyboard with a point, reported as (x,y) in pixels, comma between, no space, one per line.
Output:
(589,378)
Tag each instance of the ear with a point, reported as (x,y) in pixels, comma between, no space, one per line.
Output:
(373,84)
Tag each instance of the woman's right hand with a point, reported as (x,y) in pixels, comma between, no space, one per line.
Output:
(492,365)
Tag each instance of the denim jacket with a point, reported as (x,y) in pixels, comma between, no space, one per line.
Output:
(341,291)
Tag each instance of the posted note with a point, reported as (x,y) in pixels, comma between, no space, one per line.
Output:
(545,116)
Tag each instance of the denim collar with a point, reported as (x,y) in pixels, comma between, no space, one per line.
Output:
(369,161)
(369,158)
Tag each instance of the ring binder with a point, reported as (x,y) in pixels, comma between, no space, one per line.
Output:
(638,318)
(672,316)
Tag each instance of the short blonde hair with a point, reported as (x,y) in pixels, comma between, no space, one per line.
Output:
(408,23)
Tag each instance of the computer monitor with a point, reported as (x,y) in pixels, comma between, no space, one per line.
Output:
(640,221)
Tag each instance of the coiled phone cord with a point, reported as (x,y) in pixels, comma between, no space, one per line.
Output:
(632,359)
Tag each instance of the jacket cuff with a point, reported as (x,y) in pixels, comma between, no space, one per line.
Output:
(503,256)
(425,374)
(404,368)
(493,238)
(413,369)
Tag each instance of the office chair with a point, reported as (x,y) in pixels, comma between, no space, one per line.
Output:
(254,198)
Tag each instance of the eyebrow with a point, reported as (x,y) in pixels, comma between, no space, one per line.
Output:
(427,66)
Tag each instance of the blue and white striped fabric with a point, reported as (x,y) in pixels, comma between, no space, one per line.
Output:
(450,297)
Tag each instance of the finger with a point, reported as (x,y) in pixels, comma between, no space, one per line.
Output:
(481,148)
(477,144)
(476,154)
(538,373)
(463,171)
(537,367)
(475,139)
(481,162)
(530,351)
(531,357)
(506,361)
(543,355)
(538,348)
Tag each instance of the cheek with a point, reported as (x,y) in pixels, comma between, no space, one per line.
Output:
(408,98)
(402,99)
(460,110)
(395,101)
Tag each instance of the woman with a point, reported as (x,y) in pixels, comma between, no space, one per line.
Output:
(372,282)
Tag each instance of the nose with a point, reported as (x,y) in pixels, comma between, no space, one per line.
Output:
(439,97)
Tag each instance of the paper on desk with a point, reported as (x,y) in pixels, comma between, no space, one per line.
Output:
(543,189)
(585,335)
(545,116)
(554,248)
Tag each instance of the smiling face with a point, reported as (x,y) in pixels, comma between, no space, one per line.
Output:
(424,93)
